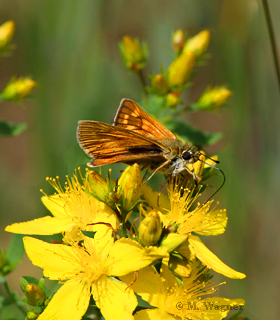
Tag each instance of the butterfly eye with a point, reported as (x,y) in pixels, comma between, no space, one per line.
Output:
(187,155)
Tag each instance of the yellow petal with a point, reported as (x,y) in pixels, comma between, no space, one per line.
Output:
(45,226)
(154,198)
(154,314)
(114,299)
(71,301)
(217,308)
(127,255)
(56,205)
(148,285)
(217,226)
(211,260)
(58,261)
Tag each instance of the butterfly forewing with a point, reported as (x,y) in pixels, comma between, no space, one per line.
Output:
(109,144)
(130,116)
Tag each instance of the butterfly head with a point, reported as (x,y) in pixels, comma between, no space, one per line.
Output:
(191,155)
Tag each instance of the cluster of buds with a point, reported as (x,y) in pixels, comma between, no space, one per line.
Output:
(170,84)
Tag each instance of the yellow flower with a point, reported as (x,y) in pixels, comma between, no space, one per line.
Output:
(7,30)
(174,301)
(178,212)
(73,210)
(198,44)
(213,98)
(180,70)
(133,54)
(89,269)
(17,89)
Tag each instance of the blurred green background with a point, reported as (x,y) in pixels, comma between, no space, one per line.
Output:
(71,49)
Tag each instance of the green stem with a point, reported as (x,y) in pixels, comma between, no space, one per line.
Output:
(272,39)
(143,81)
(12,298)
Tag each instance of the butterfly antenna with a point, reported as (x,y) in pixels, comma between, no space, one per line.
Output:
(224,181)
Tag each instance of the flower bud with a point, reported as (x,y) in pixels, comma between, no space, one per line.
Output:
(213,98)
(159,85)
(178,41)
(180,70)
(17,89)
(198,44)
(31,315)
(180,266)
(172,241)
(172,99)
(7,30)
(133,54)
(129,186)
(150,228)
(100,188)
(35,295)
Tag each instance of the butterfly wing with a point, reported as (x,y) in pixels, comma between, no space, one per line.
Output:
(130,116)
(110,144)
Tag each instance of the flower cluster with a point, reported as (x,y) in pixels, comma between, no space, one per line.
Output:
(121,239)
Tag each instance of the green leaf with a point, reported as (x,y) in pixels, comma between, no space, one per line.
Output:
(197,137)
(89,234)
(15,251)
(11,129)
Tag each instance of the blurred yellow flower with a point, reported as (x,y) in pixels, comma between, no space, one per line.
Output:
(213,98)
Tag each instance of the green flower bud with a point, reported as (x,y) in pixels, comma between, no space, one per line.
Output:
(35,295)
(172,241)
(172,99)
(180,70)
(133,54)
(129,185)
(198,44)
(179,266)
(213,98)
(7,30)
(17,89)
(150,228)
(160,85)
(178,41)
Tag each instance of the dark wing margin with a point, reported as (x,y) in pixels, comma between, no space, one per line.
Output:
(130,116)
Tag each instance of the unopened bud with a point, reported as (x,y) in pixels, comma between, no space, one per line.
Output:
(17,89)
(178,41)
(129,185)
(133,54)
(7,30)
(35,295)
(198,44)
(213,98)
(160,84)
(172,99)
(180,266)
(150,228)
(172,241)
(180,70)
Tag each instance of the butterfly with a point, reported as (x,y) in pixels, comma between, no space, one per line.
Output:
(136,137)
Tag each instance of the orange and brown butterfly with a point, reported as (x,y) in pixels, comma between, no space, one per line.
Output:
(136,137)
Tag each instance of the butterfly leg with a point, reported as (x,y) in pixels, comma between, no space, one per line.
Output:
(166,163)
